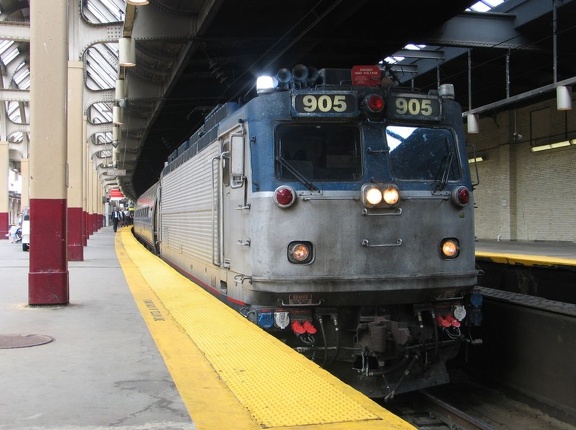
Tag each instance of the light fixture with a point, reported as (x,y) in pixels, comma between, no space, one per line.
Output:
(137,2)
(117,115)
(266,84)
(472,122)
(563,97)
(126,52)
(555,145)
(471,119)
(120,90)
(476,159)
(115,135)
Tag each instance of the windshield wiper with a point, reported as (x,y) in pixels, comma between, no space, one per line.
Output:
(441,183)
(296,174)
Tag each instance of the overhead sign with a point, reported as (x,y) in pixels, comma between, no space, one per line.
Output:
(115,172)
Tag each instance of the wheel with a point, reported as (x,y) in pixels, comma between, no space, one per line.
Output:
(25,247)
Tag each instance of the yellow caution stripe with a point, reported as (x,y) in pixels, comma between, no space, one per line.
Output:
(228,371)
(525,260)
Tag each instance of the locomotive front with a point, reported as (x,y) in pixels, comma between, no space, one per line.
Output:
(361,251)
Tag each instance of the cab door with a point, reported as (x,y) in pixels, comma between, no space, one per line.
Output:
(234,210)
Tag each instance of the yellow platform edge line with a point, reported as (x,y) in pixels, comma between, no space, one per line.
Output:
(525,260)
(208,399)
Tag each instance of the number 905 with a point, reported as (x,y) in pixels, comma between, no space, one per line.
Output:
(324,103)
(414,106)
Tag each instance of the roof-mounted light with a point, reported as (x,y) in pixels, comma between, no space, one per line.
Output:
(446,91)
(266,84)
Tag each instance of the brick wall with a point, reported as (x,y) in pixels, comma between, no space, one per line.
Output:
(526,195)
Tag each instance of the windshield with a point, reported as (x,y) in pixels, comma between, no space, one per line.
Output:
(419,153)
(319,152)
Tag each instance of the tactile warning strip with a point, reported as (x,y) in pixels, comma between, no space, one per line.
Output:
(278,386)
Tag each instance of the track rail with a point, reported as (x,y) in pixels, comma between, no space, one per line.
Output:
(450,415)
(428,411)
(528,352)
(469,406)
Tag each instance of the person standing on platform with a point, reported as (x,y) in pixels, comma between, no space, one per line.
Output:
(126,217)
(115,219)
(12,233)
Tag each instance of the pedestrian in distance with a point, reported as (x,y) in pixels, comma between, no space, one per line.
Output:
(12,233)
(116,217)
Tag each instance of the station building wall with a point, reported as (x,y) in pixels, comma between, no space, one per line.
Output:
(524,195)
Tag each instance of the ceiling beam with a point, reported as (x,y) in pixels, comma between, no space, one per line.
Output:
(478,30)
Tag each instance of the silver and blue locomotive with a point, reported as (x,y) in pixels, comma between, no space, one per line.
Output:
(335,211)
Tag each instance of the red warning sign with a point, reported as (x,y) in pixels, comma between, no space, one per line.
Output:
(366,76)
(116,194)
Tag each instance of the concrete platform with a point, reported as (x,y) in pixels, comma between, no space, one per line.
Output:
(527,253)
(141,347)
(102,369)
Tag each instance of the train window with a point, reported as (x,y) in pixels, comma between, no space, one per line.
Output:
(319,152)
(420,153)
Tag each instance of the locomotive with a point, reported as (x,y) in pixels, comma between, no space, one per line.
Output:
(334,209)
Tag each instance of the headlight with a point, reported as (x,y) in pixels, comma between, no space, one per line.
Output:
(266,84)
(300,252)
(391,195)
(373,196)
(450,248)
(380,195)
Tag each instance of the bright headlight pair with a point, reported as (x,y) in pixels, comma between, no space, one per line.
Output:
(380,195)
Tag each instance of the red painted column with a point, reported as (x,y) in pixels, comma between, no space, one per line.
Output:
(90,224)
(75,159)
(4,228)
(90,173)
(75,244)
(4,217)
(95,227)
(48,276)
(85,232)
(84,179)
(48,272)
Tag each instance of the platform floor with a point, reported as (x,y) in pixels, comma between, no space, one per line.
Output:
(140,347)
(102,370)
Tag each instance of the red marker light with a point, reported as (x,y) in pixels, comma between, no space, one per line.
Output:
(284,196)
(375,103)
(461,196)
